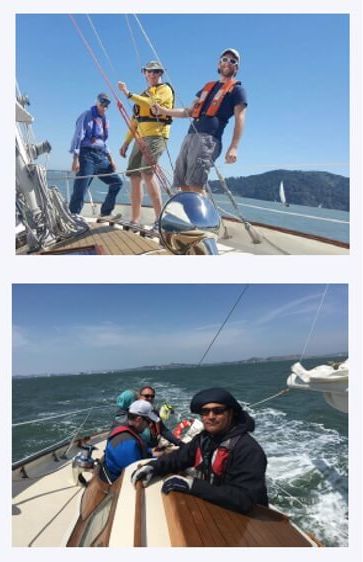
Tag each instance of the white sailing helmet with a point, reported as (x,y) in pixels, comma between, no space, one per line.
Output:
(234,52)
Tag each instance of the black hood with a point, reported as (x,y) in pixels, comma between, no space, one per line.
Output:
(242,419)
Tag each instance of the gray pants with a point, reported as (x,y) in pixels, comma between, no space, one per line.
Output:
(196,157)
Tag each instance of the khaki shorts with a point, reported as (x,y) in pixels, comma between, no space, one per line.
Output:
(154,147)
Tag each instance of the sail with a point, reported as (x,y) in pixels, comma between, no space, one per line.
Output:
(282,193)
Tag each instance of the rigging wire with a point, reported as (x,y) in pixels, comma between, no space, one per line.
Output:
(60,415)
(322,298)
(242,293)
(252,232)
(101,44)
(286,390)
(157,170)
(138,57)
(140,65)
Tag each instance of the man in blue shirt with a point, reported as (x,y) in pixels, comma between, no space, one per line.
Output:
(92,157)
(214,105)
(124,444)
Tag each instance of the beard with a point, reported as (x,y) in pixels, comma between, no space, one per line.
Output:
(227,73)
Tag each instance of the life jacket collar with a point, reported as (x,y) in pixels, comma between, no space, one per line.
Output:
(218,97)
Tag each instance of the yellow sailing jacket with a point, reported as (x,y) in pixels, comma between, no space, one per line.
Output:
(144,120)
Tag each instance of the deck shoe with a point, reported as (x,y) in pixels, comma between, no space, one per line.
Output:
(110,217)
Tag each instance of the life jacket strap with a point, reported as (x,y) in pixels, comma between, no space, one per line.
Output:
(164,120)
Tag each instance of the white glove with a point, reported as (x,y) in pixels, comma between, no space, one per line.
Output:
(144,473)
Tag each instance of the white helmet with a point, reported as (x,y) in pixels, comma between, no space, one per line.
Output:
(234,53)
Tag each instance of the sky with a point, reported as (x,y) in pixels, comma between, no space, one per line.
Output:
(70,328)
(295,69)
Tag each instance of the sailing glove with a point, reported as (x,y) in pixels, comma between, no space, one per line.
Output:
(144,473)
(177,484)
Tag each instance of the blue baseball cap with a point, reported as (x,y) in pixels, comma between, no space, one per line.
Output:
(103,99)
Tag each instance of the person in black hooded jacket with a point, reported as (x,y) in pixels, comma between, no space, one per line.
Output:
(229,464)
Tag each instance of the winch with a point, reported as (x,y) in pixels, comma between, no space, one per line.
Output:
(83,462)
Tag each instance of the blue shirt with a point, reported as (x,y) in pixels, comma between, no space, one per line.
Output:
(91,132)
(215,125)
(120,455)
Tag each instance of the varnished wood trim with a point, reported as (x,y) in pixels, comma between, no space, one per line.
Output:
(139,525)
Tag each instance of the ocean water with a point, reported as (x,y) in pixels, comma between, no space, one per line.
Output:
(329,223)
(305,440)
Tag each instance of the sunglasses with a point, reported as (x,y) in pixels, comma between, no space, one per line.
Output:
(154,71)
(148,395)
(217,411)
(228,59)
(104,103)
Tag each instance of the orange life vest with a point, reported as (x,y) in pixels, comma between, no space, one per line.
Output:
(217,98)
(181,427)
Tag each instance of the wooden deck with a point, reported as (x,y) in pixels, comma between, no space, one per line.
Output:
(105,239)
(197,523)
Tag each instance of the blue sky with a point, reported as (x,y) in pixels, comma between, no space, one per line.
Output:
(72,328)
(295,69)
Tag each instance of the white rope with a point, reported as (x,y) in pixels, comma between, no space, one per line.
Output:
(280,393)
(323,295)
(77,432)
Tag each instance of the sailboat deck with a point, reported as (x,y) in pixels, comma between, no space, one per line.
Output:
(105,239)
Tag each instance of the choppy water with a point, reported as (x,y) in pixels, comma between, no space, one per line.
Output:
(329,223)
(305,440)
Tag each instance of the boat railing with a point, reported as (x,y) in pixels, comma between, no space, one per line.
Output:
(69,176)
(67,441)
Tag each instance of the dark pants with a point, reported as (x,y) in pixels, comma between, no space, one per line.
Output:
(92,162)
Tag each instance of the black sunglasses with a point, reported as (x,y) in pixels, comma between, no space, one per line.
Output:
(104,103)
(153,71)
(148,395)
(217,411)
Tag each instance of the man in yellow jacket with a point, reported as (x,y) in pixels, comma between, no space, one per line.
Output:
(154,132)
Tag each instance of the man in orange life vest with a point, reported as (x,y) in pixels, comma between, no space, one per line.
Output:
(229,465)
(124,444)
(214,105)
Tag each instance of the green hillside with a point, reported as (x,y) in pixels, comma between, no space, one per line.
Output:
(313,189)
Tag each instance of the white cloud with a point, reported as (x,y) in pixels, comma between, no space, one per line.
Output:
(20,338)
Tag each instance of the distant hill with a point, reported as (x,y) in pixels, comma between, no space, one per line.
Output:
(313,189)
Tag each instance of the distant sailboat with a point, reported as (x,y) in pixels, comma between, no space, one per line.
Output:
(282,194)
